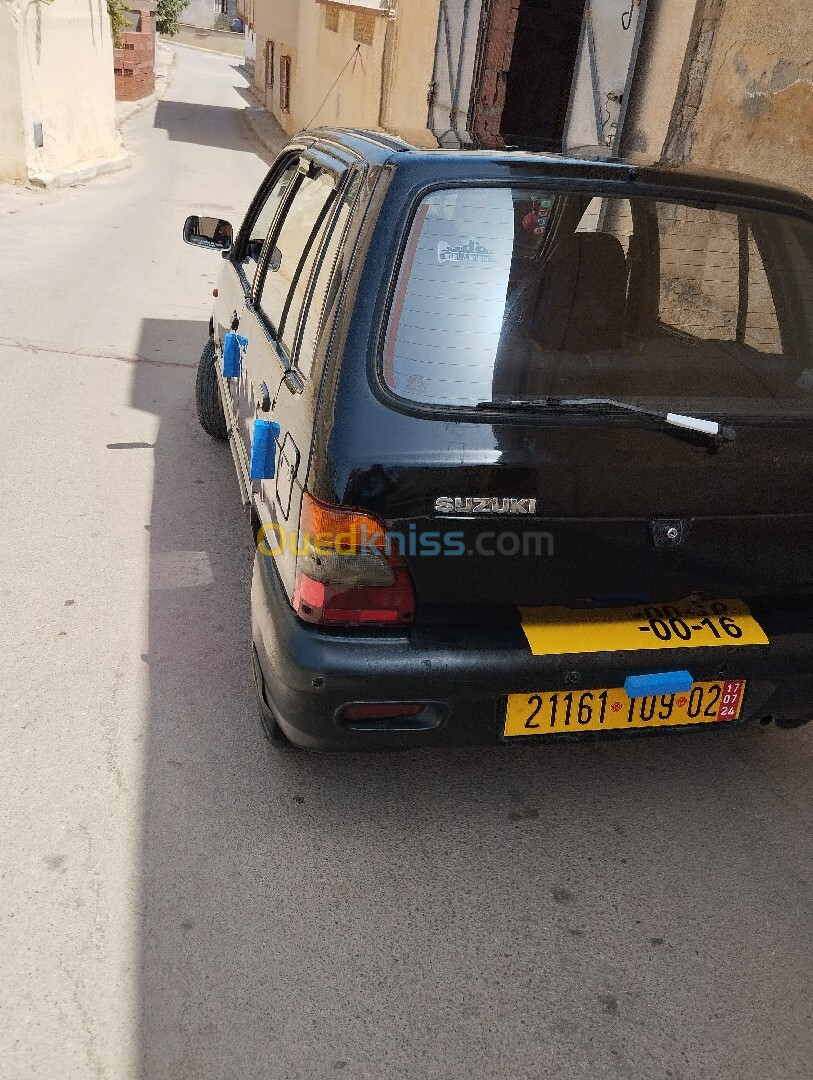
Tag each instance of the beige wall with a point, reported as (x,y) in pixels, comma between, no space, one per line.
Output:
(63,80)
(756,114)
(727,84)
(410,71)
(217,40)
(667,31)
(390,76)
(12,136)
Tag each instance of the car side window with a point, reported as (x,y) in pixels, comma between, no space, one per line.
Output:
(265,219)
(327,275)
(290,255)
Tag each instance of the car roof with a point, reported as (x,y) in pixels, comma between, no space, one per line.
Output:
(588,162)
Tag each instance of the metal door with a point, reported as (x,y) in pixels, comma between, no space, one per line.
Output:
(453,75)
(611,34)
(475,39)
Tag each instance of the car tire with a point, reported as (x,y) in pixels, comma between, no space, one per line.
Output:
(207,394)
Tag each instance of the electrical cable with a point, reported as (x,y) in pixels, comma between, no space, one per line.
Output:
(354,53)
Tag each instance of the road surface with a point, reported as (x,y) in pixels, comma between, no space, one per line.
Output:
(181,901)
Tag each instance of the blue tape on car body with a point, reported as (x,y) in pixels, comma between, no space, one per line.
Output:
(263,449)
(233,347)
(667,682)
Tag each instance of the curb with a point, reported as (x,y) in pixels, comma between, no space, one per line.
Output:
(80,173)
(161,84)
(275,144)
(134,107)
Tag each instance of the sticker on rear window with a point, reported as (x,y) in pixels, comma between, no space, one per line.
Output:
(470,252)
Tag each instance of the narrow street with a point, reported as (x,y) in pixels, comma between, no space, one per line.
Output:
(183,901)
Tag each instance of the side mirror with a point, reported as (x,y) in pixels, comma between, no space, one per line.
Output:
(208,232)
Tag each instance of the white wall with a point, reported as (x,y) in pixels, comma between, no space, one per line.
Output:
(62,79)
(12,143)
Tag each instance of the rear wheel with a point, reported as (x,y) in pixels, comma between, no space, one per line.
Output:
(207,394)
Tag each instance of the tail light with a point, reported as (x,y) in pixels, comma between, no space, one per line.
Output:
(344,573)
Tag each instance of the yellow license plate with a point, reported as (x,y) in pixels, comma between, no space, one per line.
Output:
(571,711)
(687,623)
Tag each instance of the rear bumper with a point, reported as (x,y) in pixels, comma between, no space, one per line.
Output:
(307,675)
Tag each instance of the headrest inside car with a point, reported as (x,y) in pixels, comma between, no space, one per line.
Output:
(583,295)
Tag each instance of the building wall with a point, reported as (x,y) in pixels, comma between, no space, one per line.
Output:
(202,13)
(276,21)
(727,84)
(665,40)
(62,79)
(14,138)
(199,13)
(134,63)
(387,63)
(245,11)
(756,108)
(409,60)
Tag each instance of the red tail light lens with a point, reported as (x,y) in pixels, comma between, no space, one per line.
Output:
(344,574)
(382,710)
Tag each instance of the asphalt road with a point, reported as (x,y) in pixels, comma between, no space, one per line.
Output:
(181,901)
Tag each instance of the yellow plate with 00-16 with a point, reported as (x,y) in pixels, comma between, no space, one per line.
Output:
(689,623)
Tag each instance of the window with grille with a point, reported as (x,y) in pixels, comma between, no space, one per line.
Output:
(364,28)
(285,84)
(332,18)
(269,64)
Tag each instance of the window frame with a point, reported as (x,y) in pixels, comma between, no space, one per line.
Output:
(285,66)
(308,162)
(342,191)
(238,252)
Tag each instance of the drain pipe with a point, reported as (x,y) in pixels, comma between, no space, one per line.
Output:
(387,63)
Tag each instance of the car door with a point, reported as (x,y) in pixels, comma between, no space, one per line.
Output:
(233,308)
(301,239)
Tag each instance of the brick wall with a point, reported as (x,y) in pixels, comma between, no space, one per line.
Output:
(134,64)
(496,61)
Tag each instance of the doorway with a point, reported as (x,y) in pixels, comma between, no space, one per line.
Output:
(528,55)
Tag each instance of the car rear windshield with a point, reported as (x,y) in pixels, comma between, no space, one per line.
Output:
(510,294)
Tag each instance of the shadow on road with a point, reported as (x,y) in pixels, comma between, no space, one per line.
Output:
(563,911)
(206,125)
(171,341)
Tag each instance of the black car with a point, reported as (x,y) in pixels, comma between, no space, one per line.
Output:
(526,439)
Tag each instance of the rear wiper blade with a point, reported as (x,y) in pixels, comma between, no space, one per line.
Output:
(712,430)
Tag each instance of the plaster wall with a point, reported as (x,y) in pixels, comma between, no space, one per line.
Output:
(63,81)
(409,62)
(386,64)
(756,111)
(356,99)
(12,128)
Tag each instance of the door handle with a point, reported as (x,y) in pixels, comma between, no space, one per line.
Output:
(293,382)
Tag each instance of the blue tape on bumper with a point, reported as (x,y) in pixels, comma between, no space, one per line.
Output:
(263,449)
(233,346)
(668,682)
